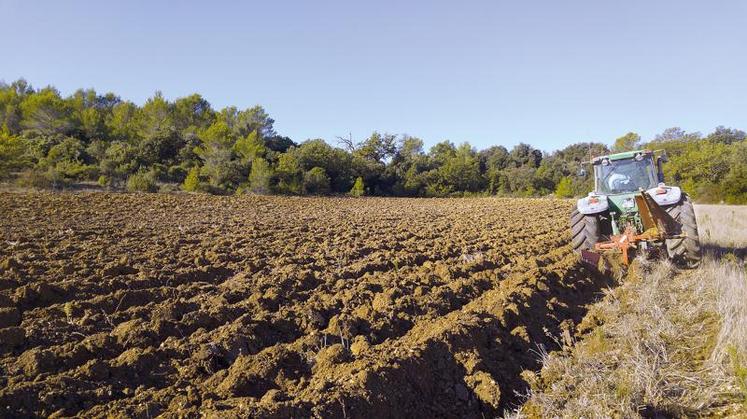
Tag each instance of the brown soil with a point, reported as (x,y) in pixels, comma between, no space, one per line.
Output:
(180,305)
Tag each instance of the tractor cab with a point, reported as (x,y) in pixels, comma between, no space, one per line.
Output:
(619,178)
(624,173)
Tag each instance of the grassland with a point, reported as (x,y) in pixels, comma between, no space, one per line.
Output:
(664,343)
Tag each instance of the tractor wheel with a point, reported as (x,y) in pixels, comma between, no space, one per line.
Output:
(585,231)
(684,251)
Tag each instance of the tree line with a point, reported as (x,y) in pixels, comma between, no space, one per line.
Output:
(51,141)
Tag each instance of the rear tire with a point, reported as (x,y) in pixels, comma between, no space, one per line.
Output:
(685,252)
(585,231)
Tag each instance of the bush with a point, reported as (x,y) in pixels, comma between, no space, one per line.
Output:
(564,188)
(259,178)
(142,182)
(12,155)
(192,181)
(358,188)
(36,179)
(177,174)
(316,181)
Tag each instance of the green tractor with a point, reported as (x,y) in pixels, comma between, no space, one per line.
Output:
(633,211)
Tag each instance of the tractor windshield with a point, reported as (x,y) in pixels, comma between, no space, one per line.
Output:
(628,175)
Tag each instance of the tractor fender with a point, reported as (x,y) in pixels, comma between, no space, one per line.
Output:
(592,204)
(665,195)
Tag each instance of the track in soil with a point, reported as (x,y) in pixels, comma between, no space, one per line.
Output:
(271,306)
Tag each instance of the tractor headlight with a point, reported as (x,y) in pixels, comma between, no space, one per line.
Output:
(628,203)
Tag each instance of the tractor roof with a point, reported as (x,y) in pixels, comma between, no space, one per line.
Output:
(621,156)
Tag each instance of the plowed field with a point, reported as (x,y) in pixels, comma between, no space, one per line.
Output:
(187,305)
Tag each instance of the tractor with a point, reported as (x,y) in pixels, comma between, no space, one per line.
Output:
(632,211)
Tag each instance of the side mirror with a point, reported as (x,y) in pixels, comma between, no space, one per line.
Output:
(663,157)
(660,168)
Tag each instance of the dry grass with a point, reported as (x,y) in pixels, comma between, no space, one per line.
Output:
(723,226)
(665,343)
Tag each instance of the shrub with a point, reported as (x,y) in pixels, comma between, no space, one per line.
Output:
(316,181)
(259,178)
(177,174)
(358,188)
(564,188)
(142,182)
(33,178)
(12,155)
(192,181)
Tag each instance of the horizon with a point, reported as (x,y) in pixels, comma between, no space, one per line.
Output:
(491,74)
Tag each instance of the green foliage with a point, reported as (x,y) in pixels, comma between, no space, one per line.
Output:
(45,112)
(250,147)
(564,188)
(628,142)
(142,181)
(12,155)
(461,170)
(118,162)
(218,159)
(289,174)
(316,181)
(260,176)
(734,185)
(358,188)
(192,181)
(48,140)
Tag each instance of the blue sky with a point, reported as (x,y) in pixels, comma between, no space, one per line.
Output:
(489,72)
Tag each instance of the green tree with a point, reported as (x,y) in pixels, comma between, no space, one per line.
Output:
(461,172)
(337,164)
(525,155)
(142,181)
(628,142)
(726,135)
(121,123)
(192,181)
(12,155)
(217,156)
(119,161)
(564,188)
(492,161)
(735,182)
(441,152)
(316,181)
(242,123)
(46,113)
(250,147)
(192,113)
(358,188)
(289,174)
(11,97)
(259,178)
(155,117)
(65,162)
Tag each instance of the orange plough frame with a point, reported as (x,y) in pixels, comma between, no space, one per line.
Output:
(658,225)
